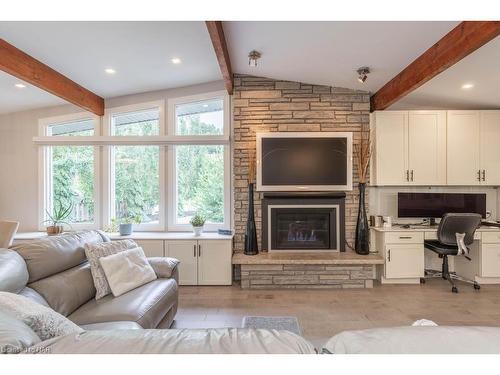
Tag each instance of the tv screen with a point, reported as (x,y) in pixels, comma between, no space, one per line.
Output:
(305,162)
(435,205)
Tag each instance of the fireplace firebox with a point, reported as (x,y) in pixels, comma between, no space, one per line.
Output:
(303,222)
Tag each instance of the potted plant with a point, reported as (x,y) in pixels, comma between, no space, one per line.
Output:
(57,218)
(197,221)
(126,224)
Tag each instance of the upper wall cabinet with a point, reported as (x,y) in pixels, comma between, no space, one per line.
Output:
(409,148)
(473,152)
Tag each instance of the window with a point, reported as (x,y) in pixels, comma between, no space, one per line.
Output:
(136,171)
(200,118)
(69,178)
(199,167)
(199,183)
(140,123)
(153,175)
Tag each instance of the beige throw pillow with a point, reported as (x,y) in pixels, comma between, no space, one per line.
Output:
(44,321)
(127,270)
(96,251)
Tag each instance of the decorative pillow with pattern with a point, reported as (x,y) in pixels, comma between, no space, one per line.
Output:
(99,250)
(44,321)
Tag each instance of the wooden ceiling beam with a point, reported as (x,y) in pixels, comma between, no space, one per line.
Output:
(21,65)
(464,39)
(219,42)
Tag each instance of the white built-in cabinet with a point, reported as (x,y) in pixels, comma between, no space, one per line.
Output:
(436,148)
(473,147)
(409,148)
(202,262)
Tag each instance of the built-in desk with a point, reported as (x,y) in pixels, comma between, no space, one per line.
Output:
(405,259)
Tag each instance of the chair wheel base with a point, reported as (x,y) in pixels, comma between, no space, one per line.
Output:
(454,289)
(477,286)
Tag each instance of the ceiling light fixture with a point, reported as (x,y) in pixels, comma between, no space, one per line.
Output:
(110,70)
(467,86)
(253,56)
(176,60)
(20,85)
(363,73)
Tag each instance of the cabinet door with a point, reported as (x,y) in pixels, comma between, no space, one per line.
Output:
(463,148)
(186,252)
(404,261)
(490,260)
(214,262)
(427,147)
(152,248)
(391,148)
(489,146)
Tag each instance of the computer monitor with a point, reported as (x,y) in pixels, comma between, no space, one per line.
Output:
(435,205)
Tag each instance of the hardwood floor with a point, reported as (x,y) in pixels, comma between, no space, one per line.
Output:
(323,313)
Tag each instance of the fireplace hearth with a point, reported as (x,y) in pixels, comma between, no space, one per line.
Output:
(303,222)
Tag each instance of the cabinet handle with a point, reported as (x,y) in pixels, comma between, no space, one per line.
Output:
(199,250)
(405,237)
(389,255)
(407,175)
(479,175)
(194,251)
(412,175)
(484,175)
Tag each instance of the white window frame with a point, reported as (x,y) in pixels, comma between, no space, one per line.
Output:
(222,140)
(109,165)
(45,170)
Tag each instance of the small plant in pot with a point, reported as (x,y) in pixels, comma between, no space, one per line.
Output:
(126,224)
(57,218)
(197,221)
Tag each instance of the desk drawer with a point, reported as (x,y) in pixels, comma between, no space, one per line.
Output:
(404,237)
(490,237)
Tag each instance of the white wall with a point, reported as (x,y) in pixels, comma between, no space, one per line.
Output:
(384,200)
(19,156)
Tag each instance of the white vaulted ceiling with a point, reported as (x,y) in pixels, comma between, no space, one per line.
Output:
(324,53)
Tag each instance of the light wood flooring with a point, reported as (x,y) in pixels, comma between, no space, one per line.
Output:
(323,313)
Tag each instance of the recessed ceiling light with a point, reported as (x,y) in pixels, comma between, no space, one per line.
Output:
(20,85)
(176,60)
(205,105)
(467,86)
(110,70)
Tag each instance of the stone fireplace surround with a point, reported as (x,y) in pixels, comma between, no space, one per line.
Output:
(268,105)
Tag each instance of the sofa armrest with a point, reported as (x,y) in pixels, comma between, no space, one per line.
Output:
(164,267)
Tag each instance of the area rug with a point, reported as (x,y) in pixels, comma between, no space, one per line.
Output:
(287,323)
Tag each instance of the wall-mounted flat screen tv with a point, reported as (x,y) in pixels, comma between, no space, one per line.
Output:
(304,161)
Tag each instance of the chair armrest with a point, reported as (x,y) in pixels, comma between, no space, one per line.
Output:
(164,267)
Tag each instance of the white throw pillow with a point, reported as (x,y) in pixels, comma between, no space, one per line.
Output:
(44,321)
(127,270)
(99,250)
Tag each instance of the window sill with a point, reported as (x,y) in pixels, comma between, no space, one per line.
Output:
(23,236)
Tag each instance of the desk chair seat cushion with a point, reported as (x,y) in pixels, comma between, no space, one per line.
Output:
(442,249)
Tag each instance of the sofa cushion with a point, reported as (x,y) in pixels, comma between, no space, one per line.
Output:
(34,296)
(127,270)
(146,305)
(15,336)
(180,341)
(13,271)
(45,322)
(98,250)
(68,290)
(164,267)
(51,255)
(105,326)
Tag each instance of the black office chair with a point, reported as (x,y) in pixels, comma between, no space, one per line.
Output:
(452,224)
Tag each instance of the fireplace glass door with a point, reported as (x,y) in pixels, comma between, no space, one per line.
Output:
(302,228)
